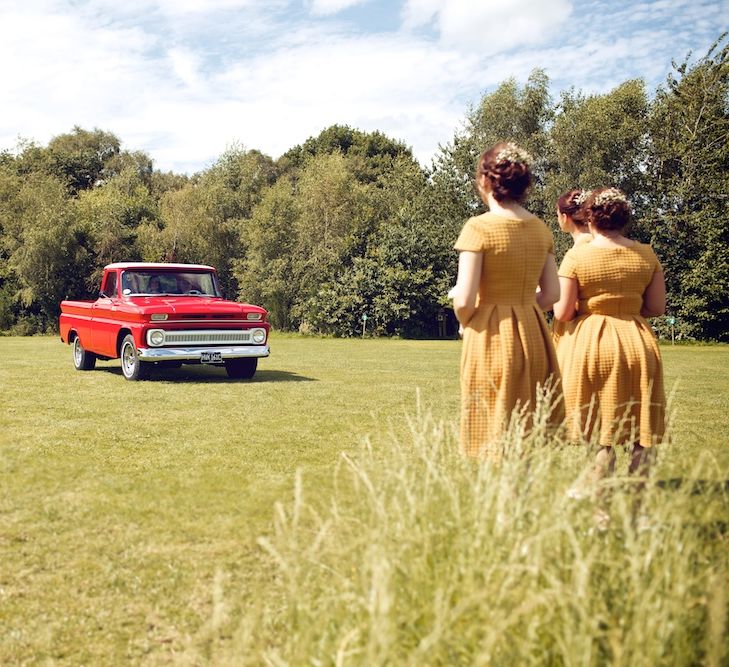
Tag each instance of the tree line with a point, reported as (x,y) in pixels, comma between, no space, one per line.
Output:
(349,224)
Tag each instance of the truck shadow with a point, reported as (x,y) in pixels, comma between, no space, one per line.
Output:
(211,374)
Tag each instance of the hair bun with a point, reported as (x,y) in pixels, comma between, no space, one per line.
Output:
(608,209)
(506,166)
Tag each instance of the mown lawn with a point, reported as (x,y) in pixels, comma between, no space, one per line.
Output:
(130,512)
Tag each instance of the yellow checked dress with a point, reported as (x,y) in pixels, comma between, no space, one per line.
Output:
(561,331)
(612,374)
(507,347)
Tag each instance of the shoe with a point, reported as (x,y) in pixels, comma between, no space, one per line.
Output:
(643,524)
(578,492)
(601,520)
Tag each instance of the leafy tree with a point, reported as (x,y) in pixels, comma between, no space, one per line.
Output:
(41,244)
(598,140)
(266,274)
(348,222)
(334,214)
(110,216)
(509,113)
(392,278)
(81,158)
(203,220)
(241,176)
(370,154)
(689,167)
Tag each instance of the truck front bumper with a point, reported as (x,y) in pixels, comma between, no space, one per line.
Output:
(195,353)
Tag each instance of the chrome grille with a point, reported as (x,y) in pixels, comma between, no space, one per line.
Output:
(222,337)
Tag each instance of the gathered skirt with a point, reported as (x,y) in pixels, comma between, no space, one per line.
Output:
(507,358)
(612,374)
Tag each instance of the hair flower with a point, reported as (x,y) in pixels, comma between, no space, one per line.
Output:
(608,196)
(582,196)
(513,153)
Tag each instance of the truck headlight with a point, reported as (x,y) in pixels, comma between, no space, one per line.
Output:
(258,336)
(156,337)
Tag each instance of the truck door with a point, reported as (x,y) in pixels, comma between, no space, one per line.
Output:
(104,324)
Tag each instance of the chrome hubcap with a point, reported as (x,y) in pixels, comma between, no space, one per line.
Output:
(77,351)
(128,359)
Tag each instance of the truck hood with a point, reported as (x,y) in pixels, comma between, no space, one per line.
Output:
(184,306)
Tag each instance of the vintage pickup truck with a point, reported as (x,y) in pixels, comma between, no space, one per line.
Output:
(166,315)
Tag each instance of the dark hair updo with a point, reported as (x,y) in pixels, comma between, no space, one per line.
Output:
(506,168)
(572,204)
(608,209)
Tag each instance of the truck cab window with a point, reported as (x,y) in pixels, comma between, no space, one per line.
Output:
(109,287)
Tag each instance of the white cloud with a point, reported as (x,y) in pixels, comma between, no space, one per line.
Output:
(183,83)
(380,83)
(416,13)
(186,66)
(65,72)
(327,7)
(489,25)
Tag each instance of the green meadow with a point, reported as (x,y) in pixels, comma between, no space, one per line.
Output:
(320,514)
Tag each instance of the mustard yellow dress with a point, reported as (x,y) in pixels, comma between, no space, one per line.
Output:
(612,374)
(507,347)
(561,331)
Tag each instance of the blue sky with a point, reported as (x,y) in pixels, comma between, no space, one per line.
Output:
(185,79)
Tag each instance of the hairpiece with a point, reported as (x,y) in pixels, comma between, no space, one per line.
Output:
(512,153)
(608,196)
(581,197)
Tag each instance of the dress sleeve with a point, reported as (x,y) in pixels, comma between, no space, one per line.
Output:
(471,237)
(653,259)
(568,267)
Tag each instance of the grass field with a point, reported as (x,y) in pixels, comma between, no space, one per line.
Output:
(191,519)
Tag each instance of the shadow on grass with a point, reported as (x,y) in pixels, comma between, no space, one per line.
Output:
(697,486)
(211,374)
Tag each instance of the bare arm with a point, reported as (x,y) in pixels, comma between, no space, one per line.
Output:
(564,309)
(548,291)
(654,297)
(466,289)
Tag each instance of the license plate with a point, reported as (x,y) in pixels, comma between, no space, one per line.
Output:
(211,357)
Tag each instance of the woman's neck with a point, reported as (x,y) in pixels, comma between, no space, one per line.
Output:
(610,239)
(507,208)
(580,235)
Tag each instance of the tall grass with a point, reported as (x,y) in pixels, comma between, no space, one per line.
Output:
(420,557)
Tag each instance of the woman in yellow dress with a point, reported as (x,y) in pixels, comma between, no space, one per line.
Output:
(613,374)
(507,276)
(572,219)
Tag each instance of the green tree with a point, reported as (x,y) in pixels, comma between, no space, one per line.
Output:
(370,154)
(509,113)
(110,216)
(81,157)
(266,273)
(391,276)
(203,221)
(41,244)
(599,140)
(689,171)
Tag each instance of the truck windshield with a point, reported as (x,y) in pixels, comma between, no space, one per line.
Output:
(150,282)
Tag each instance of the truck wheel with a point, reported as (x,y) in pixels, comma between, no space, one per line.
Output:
(82,360)
(132,367)
(241,368)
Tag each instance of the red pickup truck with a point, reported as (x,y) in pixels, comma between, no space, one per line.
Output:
(151,314)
